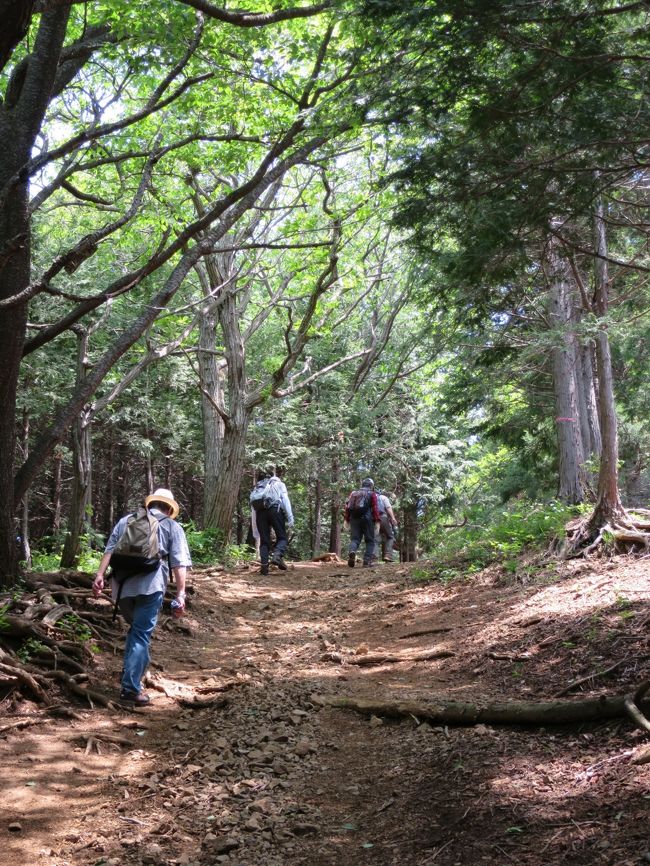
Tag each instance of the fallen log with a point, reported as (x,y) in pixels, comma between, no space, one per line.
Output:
(372,659)
(538,714)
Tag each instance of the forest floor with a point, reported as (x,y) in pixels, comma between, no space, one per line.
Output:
(262,773)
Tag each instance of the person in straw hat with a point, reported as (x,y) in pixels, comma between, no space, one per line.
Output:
(140,597)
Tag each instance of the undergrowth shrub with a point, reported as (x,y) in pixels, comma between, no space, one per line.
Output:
(494,535)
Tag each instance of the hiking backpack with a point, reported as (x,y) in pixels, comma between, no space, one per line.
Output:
(137,551)
(359,502)
(264,494)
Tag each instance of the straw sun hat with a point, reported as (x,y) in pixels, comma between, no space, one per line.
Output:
(166,496)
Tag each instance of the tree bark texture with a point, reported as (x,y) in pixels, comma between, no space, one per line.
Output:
(21,117)
(409,536)
(222,497)
(496,713)
(335,509)
(608,504)
(571,483)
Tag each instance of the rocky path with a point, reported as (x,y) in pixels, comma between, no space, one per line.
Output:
(236,762)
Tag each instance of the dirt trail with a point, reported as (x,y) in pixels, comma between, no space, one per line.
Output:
(236,763)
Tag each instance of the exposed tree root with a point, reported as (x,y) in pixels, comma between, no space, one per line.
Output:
(632,705)
(497,713)
(621,532)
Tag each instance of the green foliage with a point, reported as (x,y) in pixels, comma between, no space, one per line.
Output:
(46,553)
(495,536)
(75,629)
(29,648)
(206,545)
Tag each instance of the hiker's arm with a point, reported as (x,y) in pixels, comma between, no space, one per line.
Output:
(98,583)
(180,575)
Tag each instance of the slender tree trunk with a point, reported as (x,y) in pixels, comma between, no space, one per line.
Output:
(25,550)
(589,384)
(81,499)
(56,490)
(608,504)
(335,509)
(211,398)
(409,533)
(316,524)
(571,487)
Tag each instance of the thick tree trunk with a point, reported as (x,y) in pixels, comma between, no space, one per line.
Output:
(21,117)
(222,497)
(571,486)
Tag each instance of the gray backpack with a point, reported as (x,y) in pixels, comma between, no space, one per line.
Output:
(265,494)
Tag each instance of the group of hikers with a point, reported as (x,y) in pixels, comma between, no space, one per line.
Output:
(148,546)
(368,516)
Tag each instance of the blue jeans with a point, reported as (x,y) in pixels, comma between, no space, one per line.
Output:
(141,613)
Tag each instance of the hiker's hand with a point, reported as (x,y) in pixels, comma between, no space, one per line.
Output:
(178,605)
(98,585)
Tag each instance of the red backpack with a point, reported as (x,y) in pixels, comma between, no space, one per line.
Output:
(359,502)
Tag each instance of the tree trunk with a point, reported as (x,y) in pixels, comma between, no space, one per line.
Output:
(608,508)
(223,495)
(409,537)
(593,445)
(316,519)
(571,487)
(335,509)
(25,550)
(21,117)
(211,398)
(81,499)
(56,491)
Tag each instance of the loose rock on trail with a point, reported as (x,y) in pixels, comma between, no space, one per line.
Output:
(240,761)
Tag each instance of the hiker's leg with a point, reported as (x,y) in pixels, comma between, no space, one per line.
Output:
(264,529)
(369,537)
(145,610)
(355,534)
(388,535)
(278,521)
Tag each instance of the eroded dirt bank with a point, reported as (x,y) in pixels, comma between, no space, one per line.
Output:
(237,763)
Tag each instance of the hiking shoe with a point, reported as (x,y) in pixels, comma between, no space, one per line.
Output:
(138,699)
(352,558)
(265,568)
(281,564)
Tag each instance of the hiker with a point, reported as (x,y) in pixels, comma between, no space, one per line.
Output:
(385,538)
(140,593)
(270,510)
(362,518)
